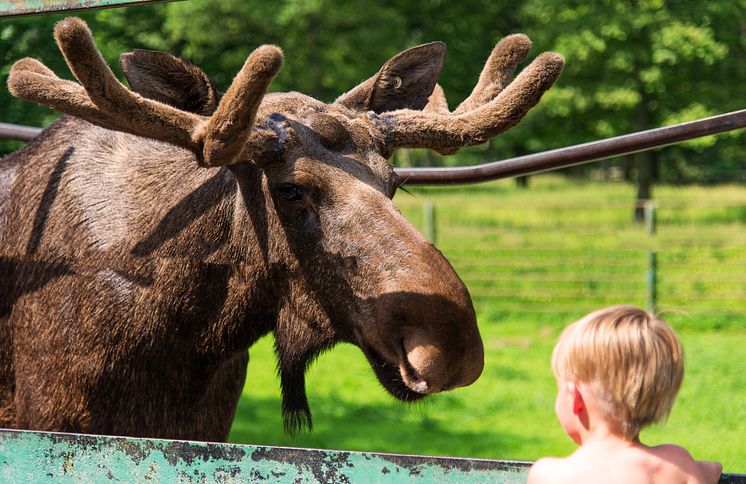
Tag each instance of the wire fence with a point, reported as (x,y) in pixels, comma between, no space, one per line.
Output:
(566,259)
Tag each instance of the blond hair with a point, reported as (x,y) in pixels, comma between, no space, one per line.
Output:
(631,360)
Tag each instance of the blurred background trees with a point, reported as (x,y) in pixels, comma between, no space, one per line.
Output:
(630,65)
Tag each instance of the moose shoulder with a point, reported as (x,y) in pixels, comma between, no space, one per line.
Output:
(152,236)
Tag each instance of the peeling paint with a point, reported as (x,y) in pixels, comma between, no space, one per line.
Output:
(67,458)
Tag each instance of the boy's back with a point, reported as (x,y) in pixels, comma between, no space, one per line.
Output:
(611,462)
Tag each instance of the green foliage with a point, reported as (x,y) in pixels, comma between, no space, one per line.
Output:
(638,65)
(323,39)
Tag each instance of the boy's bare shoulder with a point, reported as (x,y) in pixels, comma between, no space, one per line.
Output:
(675,455)
(548,469)
(680,459)
(576,467)
(671,451)
(664,464)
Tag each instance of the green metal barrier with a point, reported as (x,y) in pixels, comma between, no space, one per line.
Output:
(60,458)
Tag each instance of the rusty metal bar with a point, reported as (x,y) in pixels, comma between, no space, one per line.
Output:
(12,8)
(575,155)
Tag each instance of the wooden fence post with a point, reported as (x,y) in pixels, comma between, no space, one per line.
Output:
(649,210)
(429,222)
(651,272)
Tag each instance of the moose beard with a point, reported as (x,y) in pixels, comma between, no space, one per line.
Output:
(298,342)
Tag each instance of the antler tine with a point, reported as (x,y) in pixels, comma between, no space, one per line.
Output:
(498,71)
(34,66)
(30,79)
(437,102)
(495,76)
(103,100)
(128,110)
(230,125)
(443,132)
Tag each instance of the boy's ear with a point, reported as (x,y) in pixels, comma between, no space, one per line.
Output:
(578,403)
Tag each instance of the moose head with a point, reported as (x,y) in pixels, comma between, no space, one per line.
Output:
(313,207)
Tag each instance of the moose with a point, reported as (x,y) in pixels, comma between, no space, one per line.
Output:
(153,233)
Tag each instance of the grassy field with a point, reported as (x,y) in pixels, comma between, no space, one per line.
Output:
(534,260)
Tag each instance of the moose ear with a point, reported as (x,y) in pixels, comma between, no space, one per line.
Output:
(170,80)
(405,81)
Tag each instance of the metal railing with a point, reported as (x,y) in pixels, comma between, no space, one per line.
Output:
(13,8)
(577,154)
(18,132)
(534,163)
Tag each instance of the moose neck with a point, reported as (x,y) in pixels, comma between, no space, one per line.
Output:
(256,280)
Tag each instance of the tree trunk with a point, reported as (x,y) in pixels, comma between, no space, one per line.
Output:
(644,162)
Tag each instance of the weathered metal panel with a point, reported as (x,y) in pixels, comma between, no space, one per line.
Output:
(41,457)
(62,458)
(29,7)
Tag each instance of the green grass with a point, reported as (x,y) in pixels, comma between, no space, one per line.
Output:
(534,260)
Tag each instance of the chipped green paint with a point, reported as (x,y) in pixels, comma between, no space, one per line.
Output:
(62,458)
(28,7)
(41,457)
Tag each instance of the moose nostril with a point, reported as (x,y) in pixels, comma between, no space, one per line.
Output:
(413,379)
(419,385)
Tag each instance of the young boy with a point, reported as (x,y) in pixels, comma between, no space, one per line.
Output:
(618,370)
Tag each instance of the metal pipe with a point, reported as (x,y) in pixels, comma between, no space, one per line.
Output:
(12,8)
(18,132)
(535,163)
(575,155)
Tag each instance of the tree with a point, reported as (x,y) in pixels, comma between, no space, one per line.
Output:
(638,65)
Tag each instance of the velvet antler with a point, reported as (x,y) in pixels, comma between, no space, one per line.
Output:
(495,105)
(101,99)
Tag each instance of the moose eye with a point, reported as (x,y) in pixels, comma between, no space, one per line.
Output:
(290,192)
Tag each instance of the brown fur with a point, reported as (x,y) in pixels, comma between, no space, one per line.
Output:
(159,76)
(132,282)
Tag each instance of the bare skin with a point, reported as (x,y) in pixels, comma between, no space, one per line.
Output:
(606,456)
